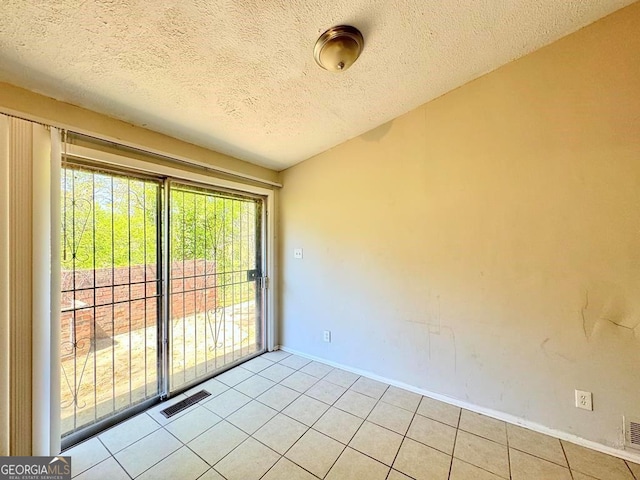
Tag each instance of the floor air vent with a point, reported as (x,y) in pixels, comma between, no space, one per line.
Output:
(184,404)
(632,430)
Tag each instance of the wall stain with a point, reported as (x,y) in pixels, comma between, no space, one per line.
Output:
(432,325)
(377,133)
(612,311)
(584,319)
(455,348)
(543,347)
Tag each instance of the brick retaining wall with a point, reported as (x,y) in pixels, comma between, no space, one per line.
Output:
(107,304)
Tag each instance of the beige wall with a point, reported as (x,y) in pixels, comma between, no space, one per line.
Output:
(32,106)
(486,246)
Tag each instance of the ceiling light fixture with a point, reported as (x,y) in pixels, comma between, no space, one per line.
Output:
(338,48)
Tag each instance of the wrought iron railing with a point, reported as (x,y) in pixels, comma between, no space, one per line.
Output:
(110,294)
(116,306)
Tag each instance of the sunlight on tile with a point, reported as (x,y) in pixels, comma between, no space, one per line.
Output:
(273,419)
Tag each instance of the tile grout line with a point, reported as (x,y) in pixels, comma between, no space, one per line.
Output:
(311,428)
(114,457)
(354,448)
(282,455)
(86,469)
(566,459)
(304,393)
(530,454)
(292,445)
(245,441)
(362,424)
(506,434)
(455,440)
(282,412)
(404,437)
(347,445)
(196,454)
(407,431)
(229,387)
(207,429)
(279,412)
(378,401)
(229,452)
(328,436)
(537,456)
(336,460)
(629,468)
(111,454)
(478,436)
(163,458)
(132,443)
(222,419)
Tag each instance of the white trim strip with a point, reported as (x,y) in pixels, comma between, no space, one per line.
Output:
(55,275)
(5,277)
(536,427)
(271,272)
(41,292)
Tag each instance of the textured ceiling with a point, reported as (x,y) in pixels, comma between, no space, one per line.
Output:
(238,76)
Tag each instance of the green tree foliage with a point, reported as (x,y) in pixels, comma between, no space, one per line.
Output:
(107,221)
(217,228)
(112,221)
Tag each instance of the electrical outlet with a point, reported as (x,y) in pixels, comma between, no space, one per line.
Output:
(584,400)
(297,253)
(327,336)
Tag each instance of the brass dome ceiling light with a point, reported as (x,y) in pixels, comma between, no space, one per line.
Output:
(338,48)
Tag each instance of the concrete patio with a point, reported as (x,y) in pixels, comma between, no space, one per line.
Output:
(120,371)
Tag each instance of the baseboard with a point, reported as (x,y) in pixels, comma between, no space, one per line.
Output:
(536,427)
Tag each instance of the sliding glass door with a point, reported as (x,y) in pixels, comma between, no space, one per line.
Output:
(111,284)
(162,287)
(215,281)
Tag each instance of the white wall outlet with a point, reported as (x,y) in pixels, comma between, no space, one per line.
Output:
(326,336)
(297,253)
(584,400)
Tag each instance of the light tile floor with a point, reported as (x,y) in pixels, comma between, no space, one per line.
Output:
(283,417)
